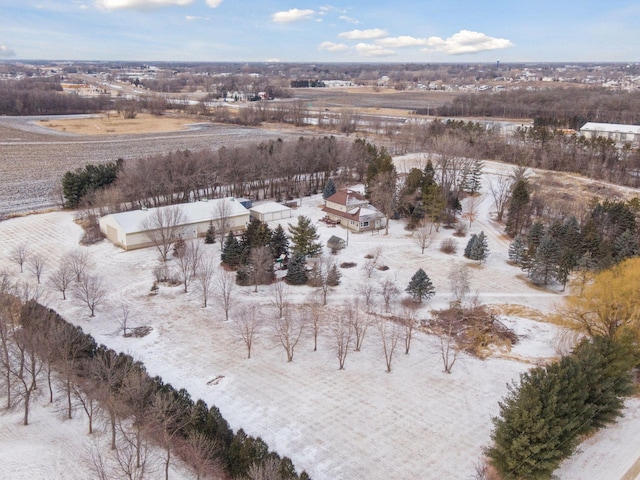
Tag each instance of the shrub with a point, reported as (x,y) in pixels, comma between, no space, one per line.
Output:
(448,245)
(348,264)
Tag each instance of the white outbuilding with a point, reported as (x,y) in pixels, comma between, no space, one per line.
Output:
(130,230)
(618,133)
(266,212)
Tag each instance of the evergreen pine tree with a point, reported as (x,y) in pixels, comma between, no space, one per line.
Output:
(210,236)
(477,247)
(625,246)
(297,270)
(517,215)
(231,251)
(329,189)
(544,265)
(279,242)
(420,286)
(333,276)
(534,236)
(518,250)
(473,182)
(304,237)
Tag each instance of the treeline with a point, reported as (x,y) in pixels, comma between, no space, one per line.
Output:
(44,96)
(275,169)
(543,418)
(37,345)
(550,251)
(538,147)
(563,107)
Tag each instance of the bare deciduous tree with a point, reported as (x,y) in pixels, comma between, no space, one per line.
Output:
(280,296)
(313,312)
(342,330)
(367,290)
(459,282)
(90,291)
(410,323)
(168,419)
(500,188)
(423,235)
(200,452)
(389,291)
(206,278)
(222,219)
(163,227)
(389,334)
(268,469)
(36,264)
(449,347)
(247,324)
(224,285)
(261,266)
(188,262)
(78,261)
(20,254)
(470,210)
(288,330)
(61,279)
(359,322)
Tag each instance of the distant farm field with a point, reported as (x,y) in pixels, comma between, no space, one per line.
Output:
(33,158)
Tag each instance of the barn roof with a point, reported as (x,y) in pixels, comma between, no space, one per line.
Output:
(610,128)
(194,212)
(269,207)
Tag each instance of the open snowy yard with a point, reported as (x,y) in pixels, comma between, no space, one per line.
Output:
(358,423)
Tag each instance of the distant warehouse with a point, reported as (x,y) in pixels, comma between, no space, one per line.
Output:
(616,132)
(130,230)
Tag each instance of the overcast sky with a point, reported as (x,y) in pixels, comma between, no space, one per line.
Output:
(293,31)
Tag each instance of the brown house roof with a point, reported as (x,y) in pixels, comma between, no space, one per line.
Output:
(346,197)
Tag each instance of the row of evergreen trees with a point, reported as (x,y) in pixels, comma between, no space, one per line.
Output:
(236,453)
(550,253)
(77,184)
(543,419)
(303,237)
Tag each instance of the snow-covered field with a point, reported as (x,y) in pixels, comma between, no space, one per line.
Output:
(359,423)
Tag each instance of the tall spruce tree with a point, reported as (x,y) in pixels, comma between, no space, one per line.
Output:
(544,265)
(297,270)
(517,212)
(279,242)
(231,251)
(329,189)
(518,250)
(304,237)
(477,247)
(420,287)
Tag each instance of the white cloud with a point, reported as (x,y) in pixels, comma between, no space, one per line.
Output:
(6,52)
(140,4)
(214,3)
(364,34)
(402,41)
(333,47)
(466,41)
(293,15)
(272,60)
(372,50)
(349,19)
(191,18)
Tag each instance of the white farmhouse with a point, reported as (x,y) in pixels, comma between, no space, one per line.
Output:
(617,132)
(127,230)
(352,210)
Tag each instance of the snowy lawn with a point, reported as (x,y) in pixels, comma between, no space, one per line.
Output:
(361,422)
